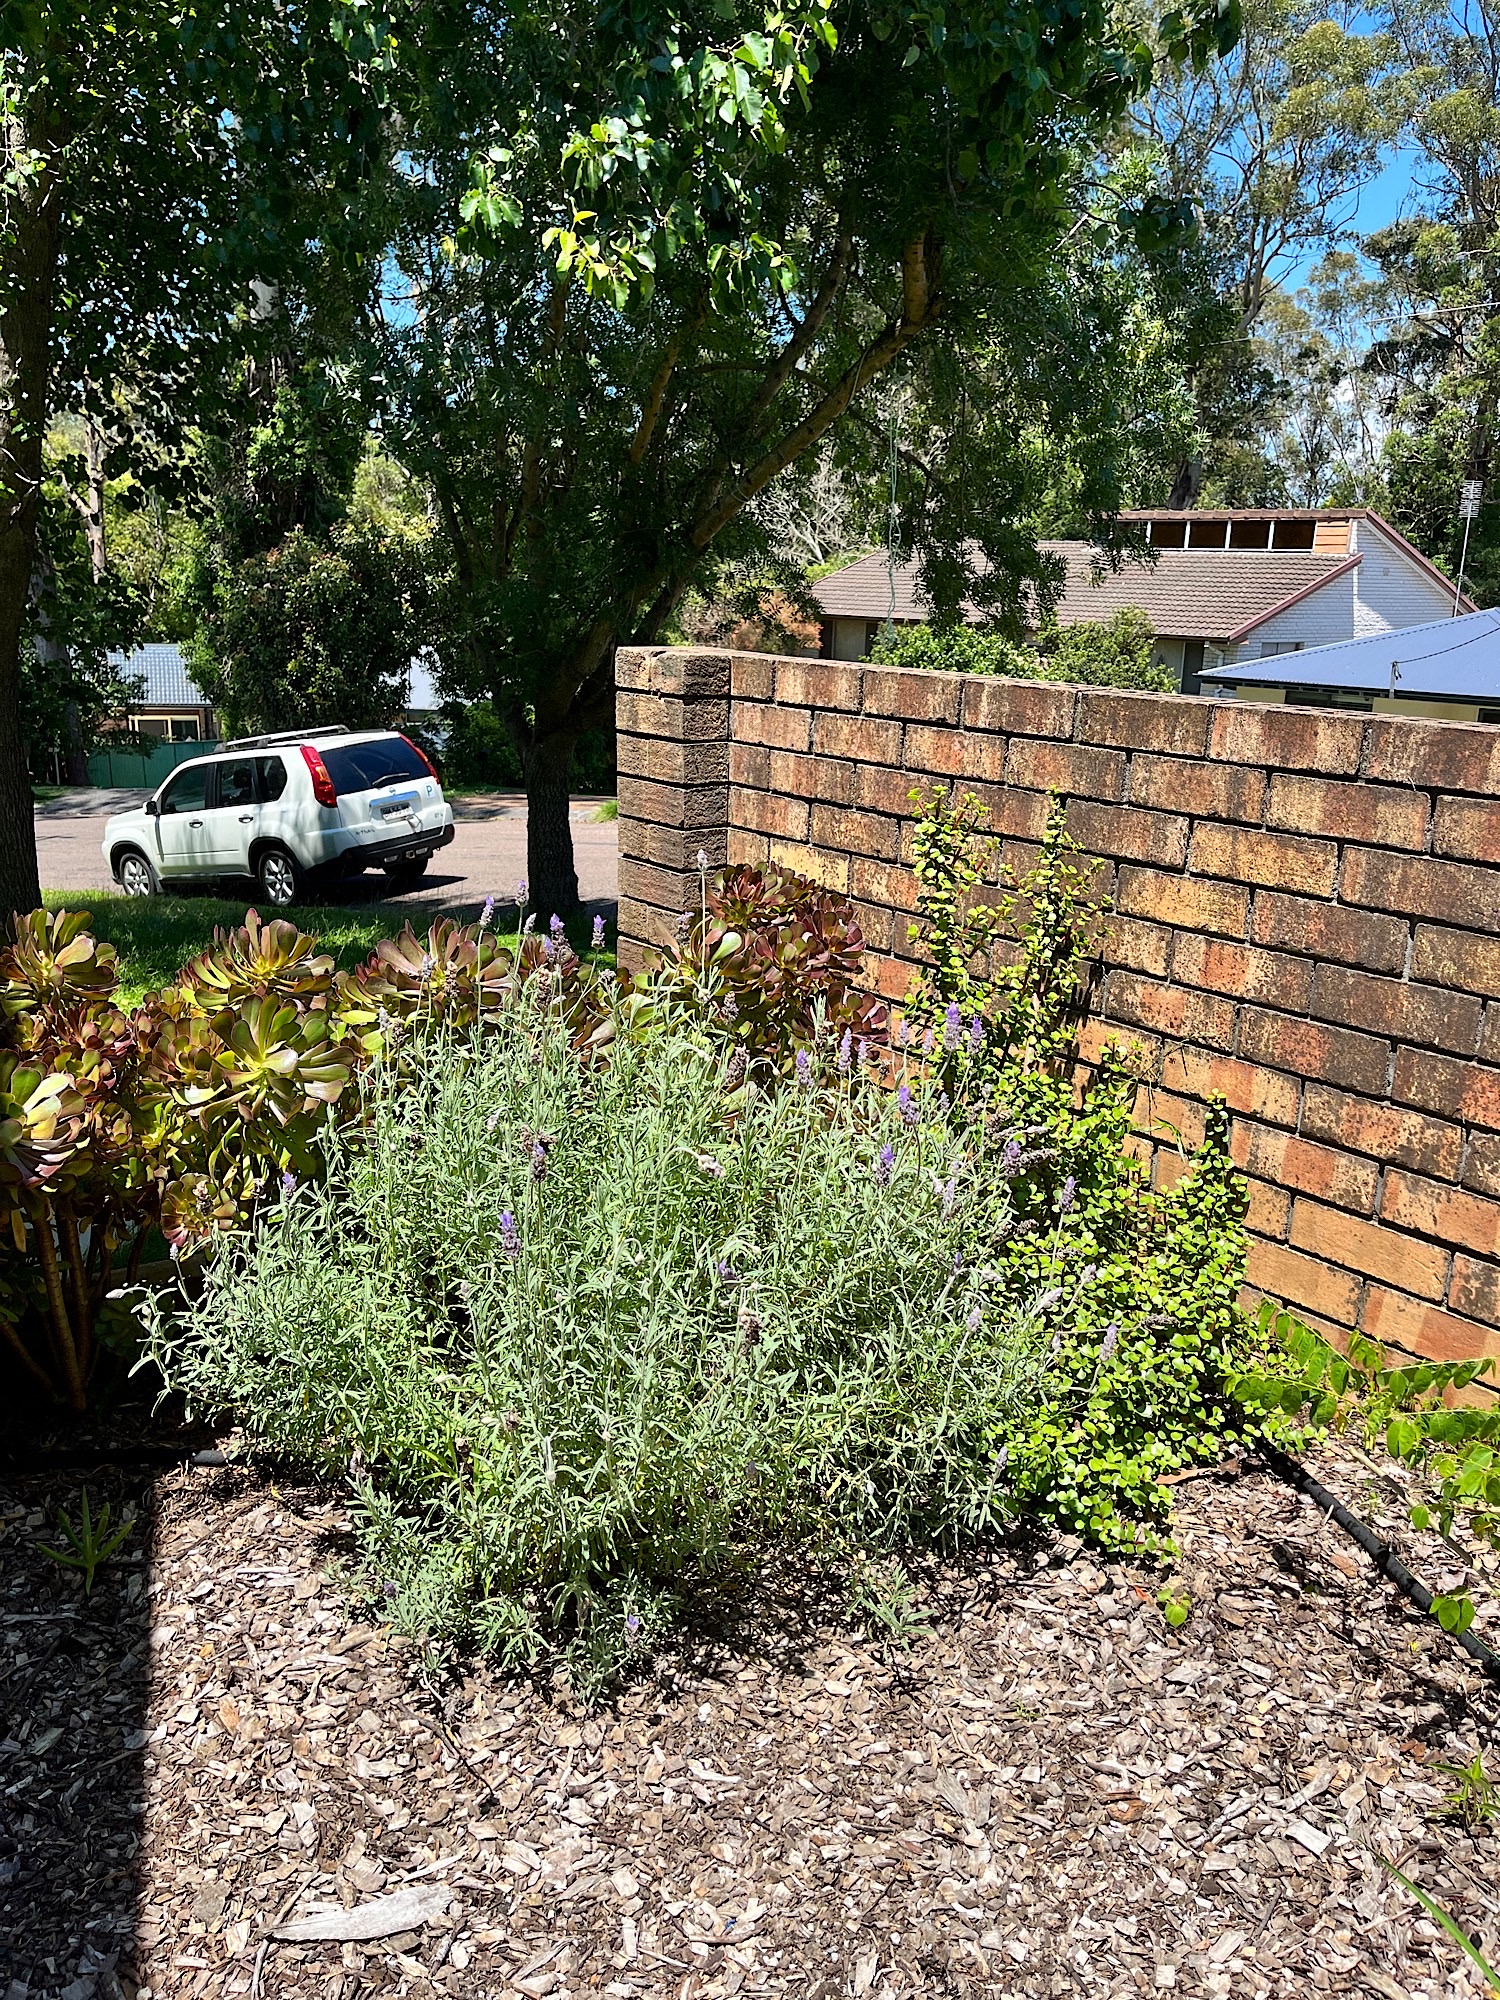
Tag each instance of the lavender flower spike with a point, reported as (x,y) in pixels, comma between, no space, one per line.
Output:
(486,915)
(1067,1195)
(909,1111)
(846,1052)
(288,1181)
(952,1022)
(885,1162)
(555,925)
(521,890)
(510,1236)
(804,1067)
(598,939)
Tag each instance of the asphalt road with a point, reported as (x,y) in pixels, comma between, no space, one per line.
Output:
(487,857)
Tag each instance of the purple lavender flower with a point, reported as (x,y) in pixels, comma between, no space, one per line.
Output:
(1049,1299)
(724,1271)
(804,1067)
(702,861)
(510,1236)
(907,1104)
(539,1147)
(976,1036)
(556,926)
(486,915)
(949,1195)
(598,933)
(885,1162)
(1012,1158)
(731,1008)
(288,1182)
(549,949)
(632,1624)
(944,1103)
(684,925)
(521,890)
(1110,1341)
(846,1052)
(903,1032)
(1067,1195)
(951,1022)
(928,1044)
(975,1320)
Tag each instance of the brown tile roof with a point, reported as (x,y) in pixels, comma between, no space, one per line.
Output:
(1186,593)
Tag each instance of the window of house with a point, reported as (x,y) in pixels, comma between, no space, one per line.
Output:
(1167,534)
(184,729)
(1294,534)
(1249,534)
(1351,698)
(1207,534)
(1272,649)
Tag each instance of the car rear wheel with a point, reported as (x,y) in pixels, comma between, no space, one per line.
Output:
(137,877)
(279,876)
(405,874)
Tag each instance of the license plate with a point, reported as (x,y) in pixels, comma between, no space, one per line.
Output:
(402,808)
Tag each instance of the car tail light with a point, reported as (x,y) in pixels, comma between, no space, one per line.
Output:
(322,784)
(423,755)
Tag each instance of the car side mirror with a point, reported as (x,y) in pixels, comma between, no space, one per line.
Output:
(153,808)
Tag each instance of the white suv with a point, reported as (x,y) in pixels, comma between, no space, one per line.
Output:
(291,811)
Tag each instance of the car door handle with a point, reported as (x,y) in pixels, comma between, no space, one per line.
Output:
(245,818)
(195,822)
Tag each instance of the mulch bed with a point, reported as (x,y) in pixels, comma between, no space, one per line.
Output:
(1050,1793)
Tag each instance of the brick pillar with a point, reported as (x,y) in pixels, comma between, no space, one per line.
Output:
(672,722)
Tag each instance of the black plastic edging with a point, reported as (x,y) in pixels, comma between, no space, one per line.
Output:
(1380,1553)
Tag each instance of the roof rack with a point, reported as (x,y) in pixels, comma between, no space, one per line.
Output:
(287,736)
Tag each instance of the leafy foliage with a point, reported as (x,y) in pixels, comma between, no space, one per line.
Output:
(1117,653)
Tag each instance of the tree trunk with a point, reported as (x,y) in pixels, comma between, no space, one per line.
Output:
(547,764)
(1187,484)
(27,281)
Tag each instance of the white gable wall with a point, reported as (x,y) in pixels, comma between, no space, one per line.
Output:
(1323,617)
(1392,591)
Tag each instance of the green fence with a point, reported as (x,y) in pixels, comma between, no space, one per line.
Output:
(145,771)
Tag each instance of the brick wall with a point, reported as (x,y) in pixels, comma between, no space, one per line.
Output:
(1307,921)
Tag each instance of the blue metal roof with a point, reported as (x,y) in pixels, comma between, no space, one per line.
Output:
(164,673)
(1453,658)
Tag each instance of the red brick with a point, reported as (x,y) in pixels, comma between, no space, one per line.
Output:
(669,761)
(1433,756)
(874,788)
(1448,1213)
(1297,1163)
(749,767)
(672,805)
(930,749)
(1303,1282)
(1462,1090)
(1396,1008)
(1311,1049)
(799,777)
(1328,930)
(1469,829)
(1189,904)
(1177,724)
(642,928)
(1128,832)
(892,977)
(1141,947)
(1142,1053)
(1267,1210)
(1018,708)
(1207,791)
(1074,769)
(855,832)
(1383,815)
(1366,1247)
(768,722)
(1171,1010)
(633,667)
(1481,1167)
(1398,1321)
(1456,958)
(1243,971)
(1175,1120)
(831,870)
(666,716)
(674,847)
(1400,1138)
(983,756)
(1244,1086)
(1168,1167)
(771,813)
(750,850)
(819,684)
(1421,887)
(1014,814)
(913,696)
(1272,860)
(691,673)
(1286,739)
(881,882)
(865,738)
(669,889)
(752,677)
(1475,1290)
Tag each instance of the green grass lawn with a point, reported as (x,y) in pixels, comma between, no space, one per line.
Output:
(156,935)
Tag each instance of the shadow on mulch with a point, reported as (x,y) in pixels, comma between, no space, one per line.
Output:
(74,1679)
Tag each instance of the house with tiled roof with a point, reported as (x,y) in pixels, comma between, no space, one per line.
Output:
(170,704)
(1219,587)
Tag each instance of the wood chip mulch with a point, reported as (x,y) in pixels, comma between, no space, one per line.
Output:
(1050,1793)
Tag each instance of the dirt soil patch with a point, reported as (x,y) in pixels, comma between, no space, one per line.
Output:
(1049,1794)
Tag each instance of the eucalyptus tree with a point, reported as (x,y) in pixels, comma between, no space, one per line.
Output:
(647,260)
(154,161)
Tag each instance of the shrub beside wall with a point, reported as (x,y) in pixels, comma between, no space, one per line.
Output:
(1306,920)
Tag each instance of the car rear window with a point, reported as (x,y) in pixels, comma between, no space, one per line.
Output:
(361,767)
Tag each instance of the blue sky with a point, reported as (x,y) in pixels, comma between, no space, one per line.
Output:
(1380,201)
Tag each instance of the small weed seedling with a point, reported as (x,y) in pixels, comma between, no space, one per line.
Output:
(90,1544)
(1176,1605)
(1475,1798)
(1440,1916)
